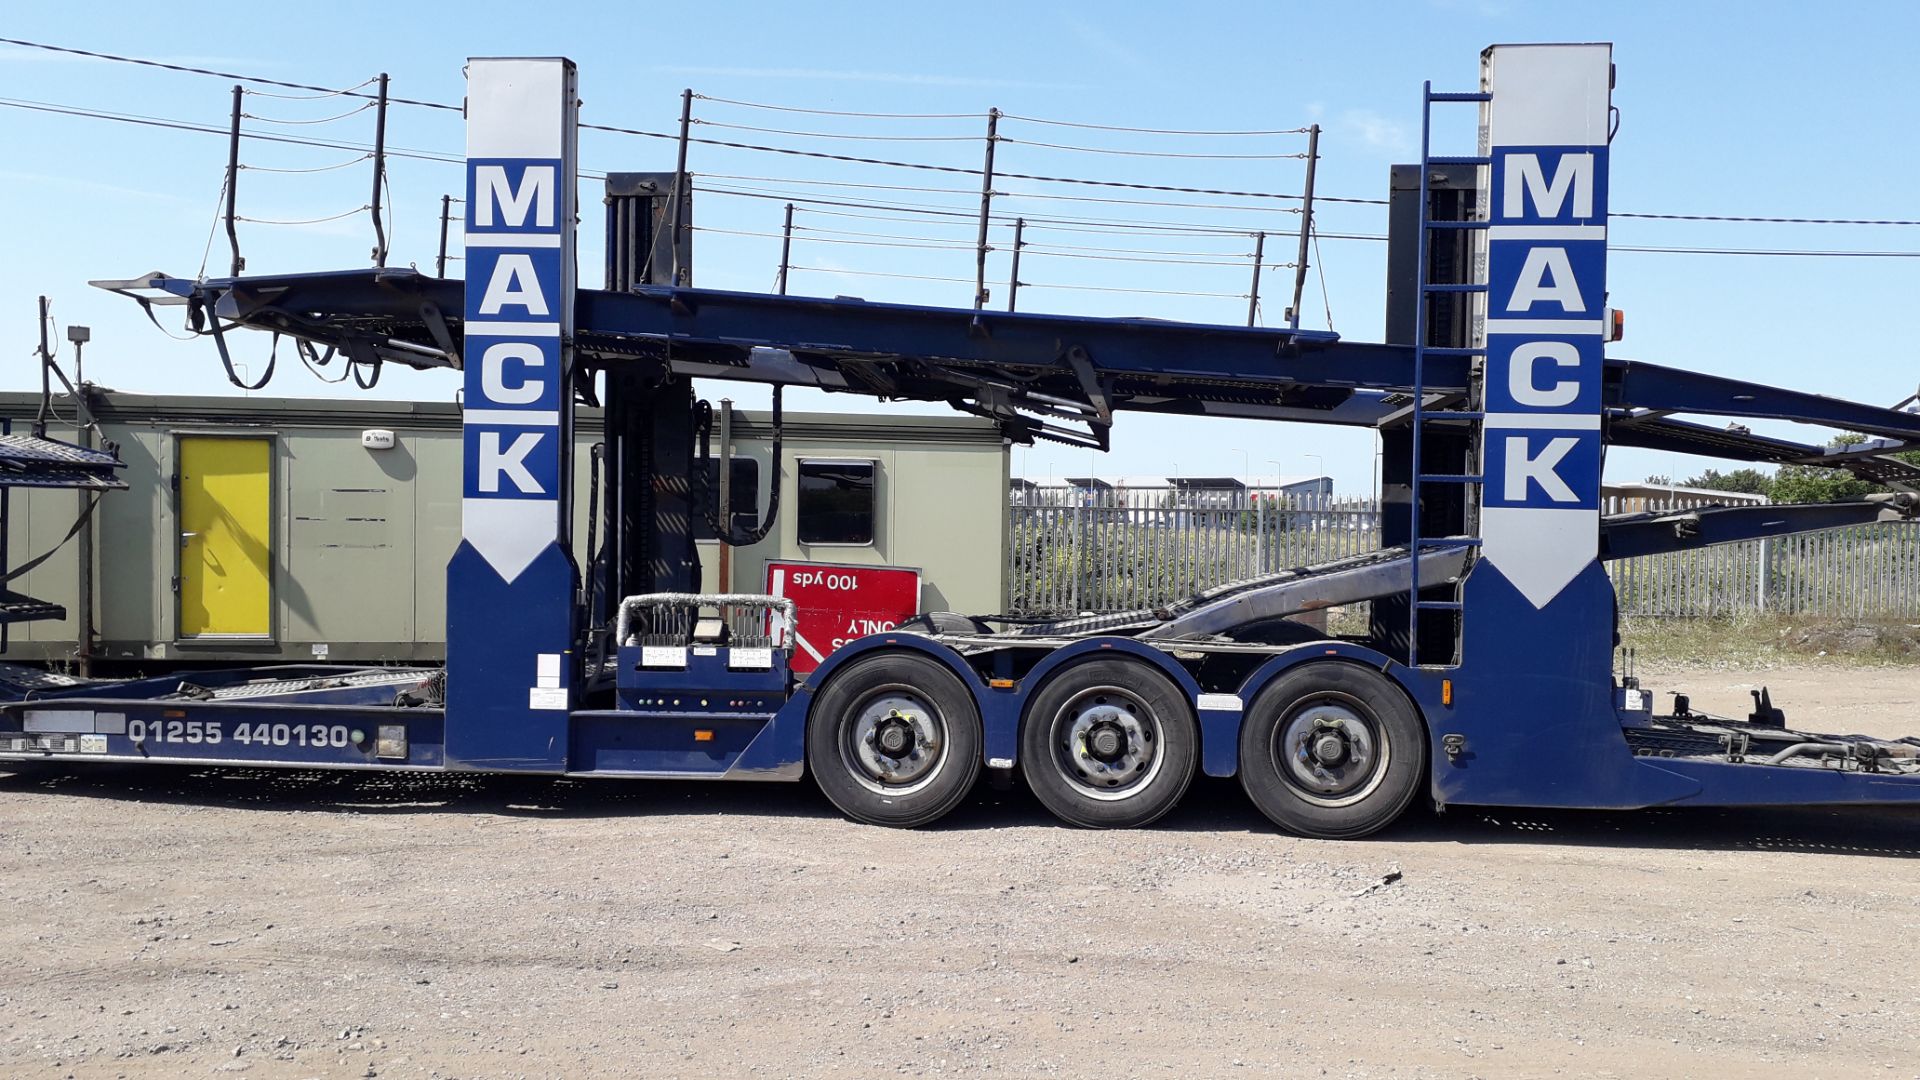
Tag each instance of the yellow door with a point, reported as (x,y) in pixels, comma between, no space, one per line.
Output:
(225,514)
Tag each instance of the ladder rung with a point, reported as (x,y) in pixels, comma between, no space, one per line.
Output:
(1479,288)
(1448,541)
(1451,478)
(1459,161)
(1458,224)
(1455,350)
(1447,96)
(1437,605)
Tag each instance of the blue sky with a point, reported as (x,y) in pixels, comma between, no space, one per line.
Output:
(1750,109)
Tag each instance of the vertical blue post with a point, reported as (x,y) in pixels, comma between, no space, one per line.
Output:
(511,634)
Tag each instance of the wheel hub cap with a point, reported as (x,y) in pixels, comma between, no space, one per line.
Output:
(1107,742)
(1328,749)
(894,736)
(895,741)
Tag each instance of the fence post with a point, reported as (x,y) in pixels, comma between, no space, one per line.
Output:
(1079,556)
(1764,583)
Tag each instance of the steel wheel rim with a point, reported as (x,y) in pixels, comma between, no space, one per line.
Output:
(1300,749)
(868,760)
(1090,769)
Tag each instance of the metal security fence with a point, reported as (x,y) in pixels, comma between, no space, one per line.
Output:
(1078,549)
(1074,549)
(1862,572)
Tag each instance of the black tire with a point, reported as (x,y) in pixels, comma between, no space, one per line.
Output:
(1140,716)
(929,711)
(1354,789)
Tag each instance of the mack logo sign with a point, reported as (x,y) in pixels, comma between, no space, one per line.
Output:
(1544,320)
(519,307)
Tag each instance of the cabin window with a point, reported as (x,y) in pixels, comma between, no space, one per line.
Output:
(836,502)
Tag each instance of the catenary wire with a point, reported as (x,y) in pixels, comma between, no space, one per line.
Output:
(1145,130)
(1149,153)
(837,135)
(307,123)
(837,112)
(303,221)
(324,168)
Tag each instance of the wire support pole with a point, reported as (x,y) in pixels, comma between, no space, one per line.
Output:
(379,171)
(986,212)
(1306,227)
(446,217)
(1253,294)
(46,366)
(233,176)
(786,251)
(679,193)
(1013,279)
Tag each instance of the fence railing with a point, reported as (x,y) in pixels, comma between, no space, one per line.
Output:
(1074,549)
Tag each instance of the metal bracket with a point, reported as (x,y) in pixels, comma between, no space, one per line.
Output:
(1737,744)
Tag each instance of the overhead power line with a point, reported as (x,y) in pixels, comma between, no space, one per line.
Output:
(1150,153)
(321,91)
(837,134)
(838,112)
(1764,220)
(168,123)
(317,91)
(1146,130)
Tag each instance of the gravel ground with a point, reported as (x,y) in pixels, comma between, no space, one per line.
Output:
(187,923)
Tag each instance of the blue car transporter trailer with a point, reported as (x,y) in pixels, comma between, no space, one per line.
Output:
(1486,677)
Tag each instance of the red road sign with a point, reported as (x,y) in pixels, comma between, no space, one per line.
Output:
(836,603)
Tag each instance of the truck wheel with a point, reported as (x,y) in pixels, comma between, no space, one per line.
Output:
(1109,744)
(894,739)
(1332,750)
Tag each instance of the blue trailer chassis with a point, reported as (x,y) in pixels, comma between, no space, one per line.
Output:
(1490,742)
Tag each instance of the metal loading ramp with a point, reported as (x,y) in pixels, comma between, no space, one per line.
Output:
(1221,610)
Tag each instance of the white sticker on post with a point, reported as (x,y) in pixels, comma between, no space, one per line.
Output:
(1220,702)
(547,671)
(547,697)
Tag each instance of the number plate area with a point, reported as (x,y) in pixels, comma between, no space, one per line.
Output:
(302,736)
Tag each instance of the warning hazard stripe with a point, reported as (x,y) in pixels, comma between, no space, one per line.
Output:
(808,645)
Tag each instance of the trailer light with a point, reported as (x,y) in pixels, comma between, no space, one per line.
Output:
(703,735)
(173,714)
(1000,684)
(1446,692)
(357,737)
(392,742)
(1616,324)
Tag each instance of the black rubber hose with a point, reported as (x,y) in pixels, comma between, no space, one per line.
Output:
(703,420)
